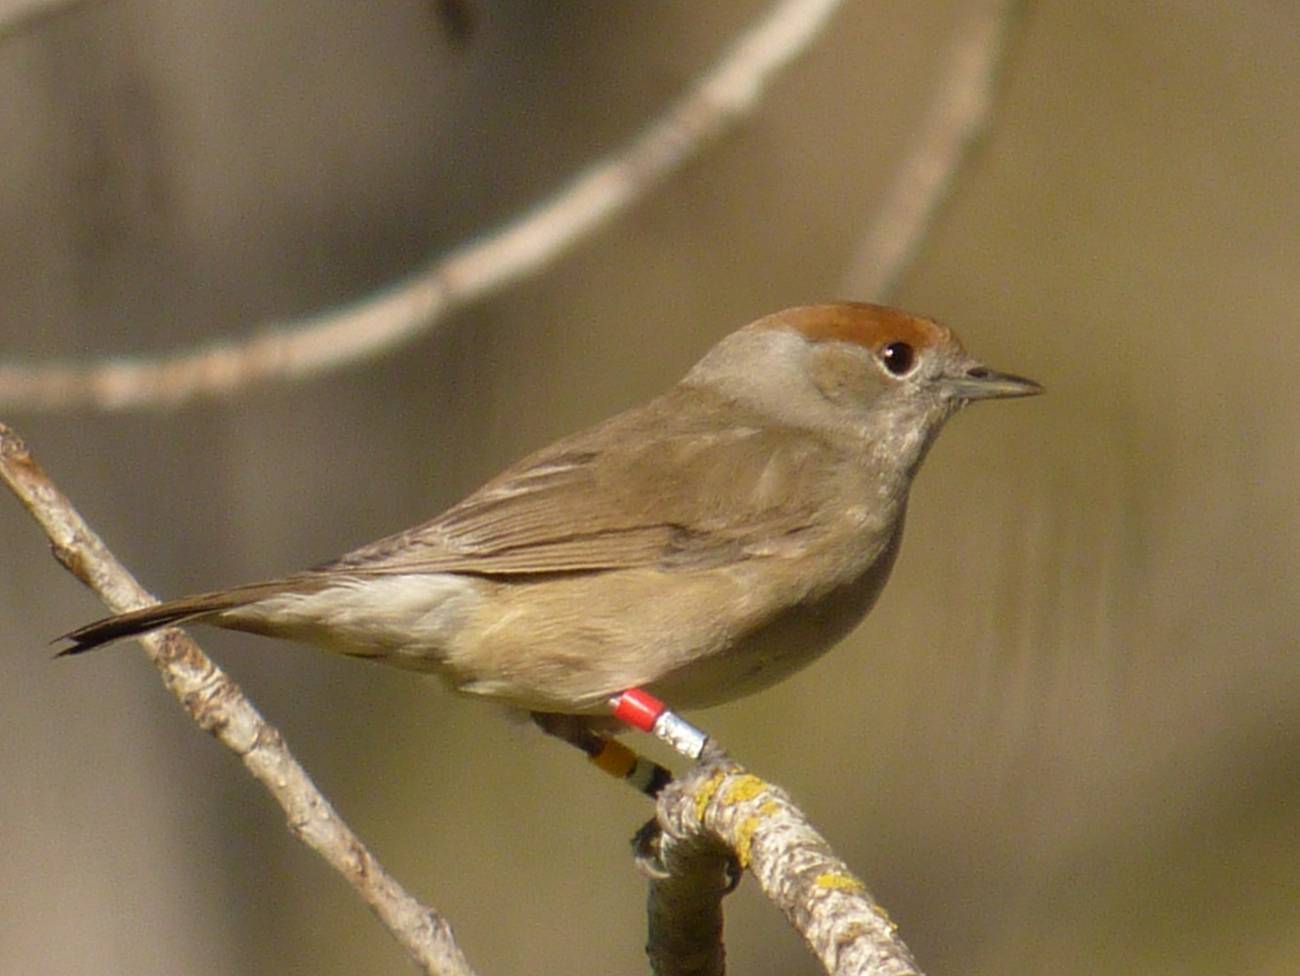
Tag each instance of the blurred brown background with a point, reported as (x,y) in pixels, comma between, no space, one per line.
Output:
(1067,741)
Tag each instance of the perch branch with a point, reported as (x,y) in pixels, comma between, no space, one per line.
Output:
(721,806)
(958,116)
(688,880)
(218,705)
(721,97)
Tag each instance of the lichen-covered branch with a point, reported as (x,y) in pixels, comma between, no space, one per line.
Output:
(218,705)
(728,92)
(721,803)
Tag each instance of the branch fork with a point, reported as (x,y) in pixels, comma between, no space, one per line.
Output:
(719,812)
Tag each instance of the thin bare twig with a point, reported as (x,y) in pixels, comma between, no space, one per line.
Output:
(958,116)
(721,803)
(218,705)
(725,94)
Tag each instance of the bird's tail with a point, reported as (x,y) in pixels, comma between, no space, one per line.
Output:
(188,608)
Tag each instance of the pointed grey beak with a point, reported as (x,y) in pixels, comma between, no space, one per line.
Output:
(981,383)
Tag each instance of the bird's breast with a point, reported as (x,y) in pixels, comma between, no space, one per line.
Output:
(795,636)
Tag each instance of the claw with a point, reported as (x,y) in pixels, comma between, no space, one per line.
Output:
(734,873)
(646,853)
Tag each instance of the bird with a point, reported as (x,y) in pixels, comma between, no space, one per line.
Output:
(702,546)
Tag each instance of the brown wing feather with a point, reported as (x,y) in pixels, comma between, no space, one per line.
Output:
(638,490)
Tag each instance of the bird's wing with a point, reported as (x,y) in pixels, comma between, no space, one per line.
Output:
(629,493)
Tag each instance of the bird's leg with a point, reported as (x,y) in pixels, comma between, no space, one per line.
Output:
(607,753)
(640,710)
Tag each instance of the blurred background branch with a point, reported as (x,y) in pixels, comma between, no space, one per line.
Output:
(19,16)
(960,109)
(721,97)
(957,116)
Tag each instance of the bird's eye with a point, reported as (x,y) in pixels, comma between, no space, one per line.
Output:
(898,357)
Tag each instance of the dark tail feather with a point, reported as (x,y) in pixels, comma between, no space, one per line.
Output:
(141,621)
(129,624)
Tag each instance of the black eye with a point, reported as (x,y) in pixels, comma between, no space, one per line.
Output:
(898,357)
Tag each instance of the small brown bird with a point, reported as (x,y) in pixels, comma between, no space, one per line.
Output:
(703,545)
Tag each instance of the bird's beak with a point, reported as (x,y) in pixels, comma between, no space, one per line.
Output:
(978,382)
